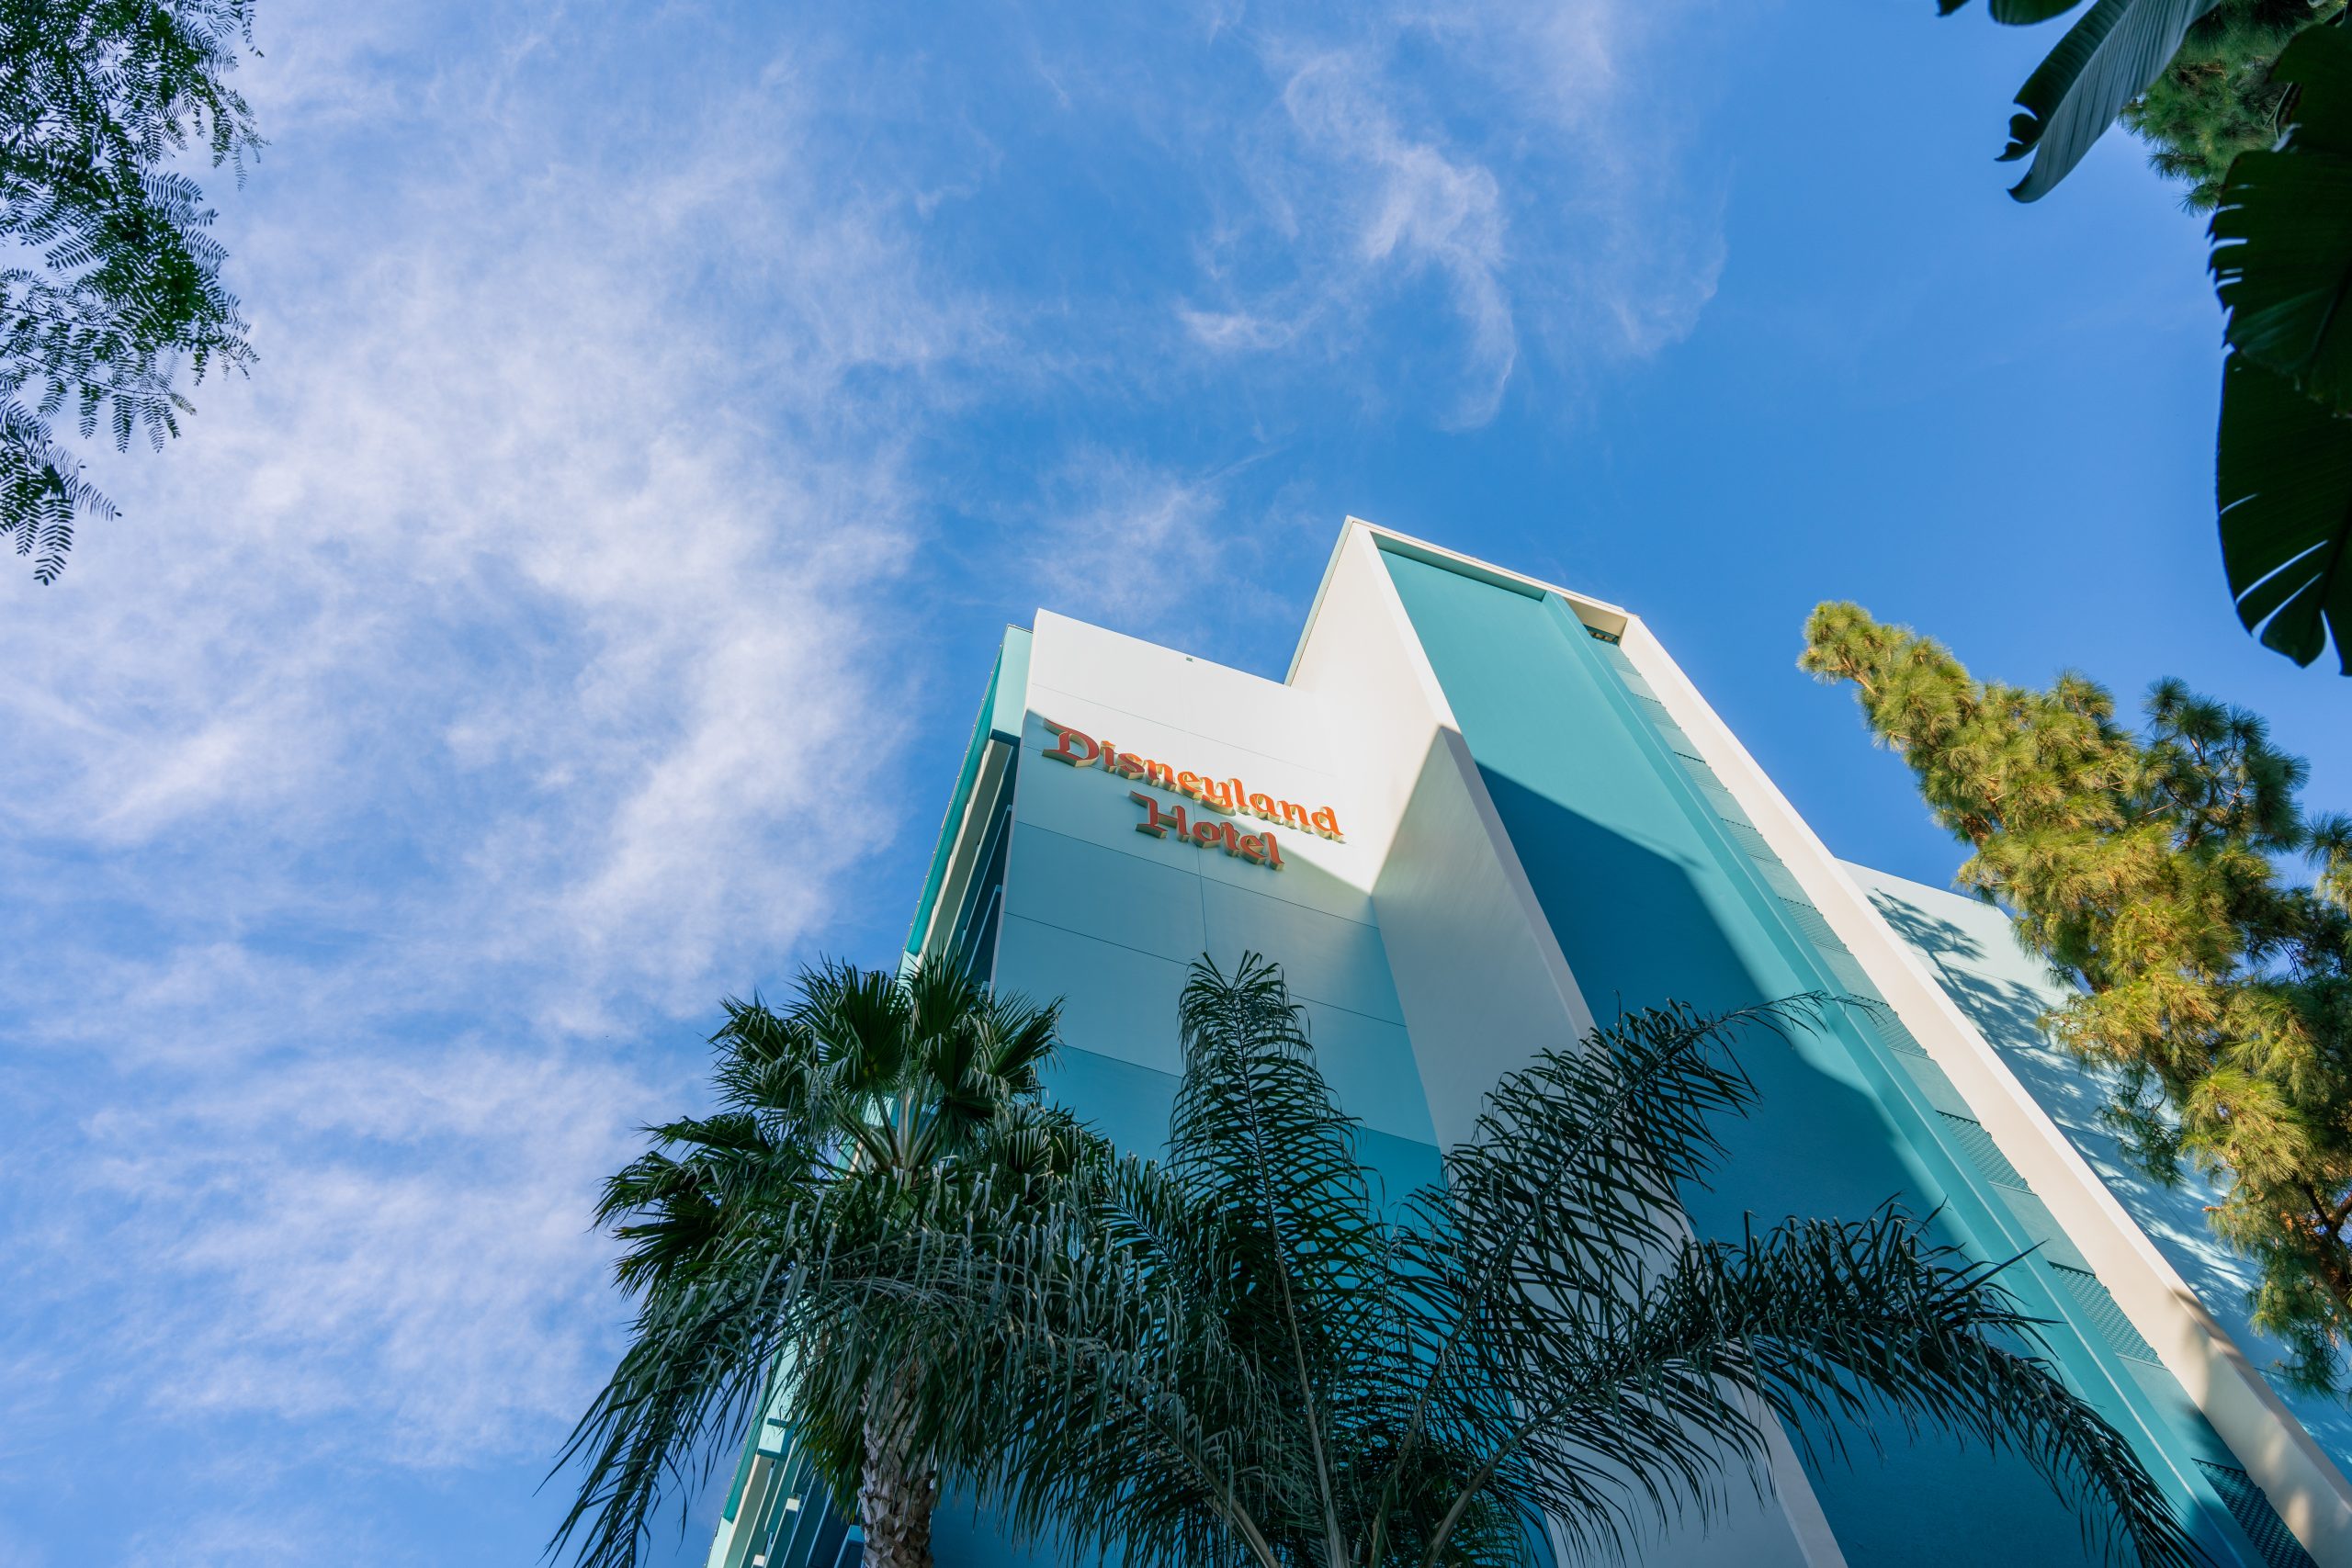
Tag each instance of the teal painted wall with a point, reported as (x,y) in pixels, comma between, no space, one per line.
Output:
(1110,920)
(1652,900)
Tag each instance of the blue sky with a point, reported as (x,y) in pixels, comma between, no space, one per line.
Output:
(578,615)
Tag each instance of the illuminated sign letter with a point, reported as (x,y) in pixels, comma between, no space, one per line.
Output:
(1327,822)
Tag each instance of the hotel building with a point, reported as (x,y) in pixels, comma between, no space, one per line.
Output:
(1480,809)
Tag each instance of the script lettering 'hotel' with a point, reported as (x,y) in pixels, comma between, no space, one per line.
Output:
(1476,811)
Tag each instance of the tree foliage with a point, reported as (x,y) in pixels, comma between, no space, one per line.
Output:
(1242,1354)
(2147,864)
(874,1107)
(2218,97)
(2193,78)
(2282,255)
(115,282)
(2249,101)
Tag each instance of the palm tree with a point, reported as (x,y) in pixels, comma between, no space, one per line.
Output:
(874,1105)
(1238,1356)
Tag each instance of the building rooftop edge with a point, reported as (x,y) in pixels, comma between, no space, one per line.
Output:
(1590,609)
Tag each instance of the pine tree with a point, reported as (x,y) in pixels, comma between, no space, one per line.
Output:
(98,100)
(2217,99)
(2151,866)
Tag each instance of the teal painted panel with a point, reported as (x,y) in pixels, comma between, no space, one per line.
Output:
(1369,1064)
(1404,1166)
(1651,899)
(1090,804)
(1008,703)
(1108,893)
(1325,957)
(1118,1002)
(1011,666)
(1127,1103)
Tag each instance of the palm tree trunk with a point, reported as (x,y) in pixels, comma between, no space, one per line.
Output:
(897,1490)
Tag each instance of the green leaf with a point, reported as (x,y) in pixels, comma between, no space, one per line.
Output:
(2106,59)
(2283,233)
(2022,12)
(2284,485)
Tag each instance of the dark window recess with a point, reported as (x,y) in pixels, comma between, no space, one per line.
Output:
(2254,1516)
(974,937)
(979,942)
(797,1528)
(1599,635)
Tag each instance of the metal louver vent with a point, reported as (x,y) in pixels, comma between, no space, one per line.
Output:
(1898,1036)
(2100,1303)
(1982,1151)
(1751,842)
(1938,1089)
(1811,924)
(1782,880)
(1626,673)
(2254,1516)
(1848,971)
(1717,798)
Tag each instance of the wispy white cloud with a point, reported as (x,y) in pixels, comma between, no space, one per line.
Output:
(1111,533)
(242,1537)
(1419,209)
(1541,199)
(469,689)
(465,700)
(448,1294)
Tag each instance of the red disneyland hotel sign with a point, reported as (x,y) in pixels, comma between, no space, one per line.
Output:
(1228,797)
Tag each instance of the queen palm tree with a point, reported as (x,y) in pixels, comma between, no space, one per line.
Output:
(1240,1354)
(870,1100)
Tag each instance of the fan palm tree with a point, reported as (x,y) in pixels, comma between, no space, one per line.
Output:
(872,1106)
(1239,1355)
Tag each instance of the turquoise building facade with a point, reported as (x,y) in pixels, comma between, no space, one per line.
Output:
(1479,808)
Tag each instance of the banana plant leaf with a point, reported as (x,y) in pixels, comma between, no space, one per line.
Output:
(2282,234)
(2284,484)
(2106,59)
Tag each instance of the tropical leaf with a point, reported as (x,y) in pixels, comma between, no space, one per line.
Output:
(1240,1358)
(2282,234)
(878,1118)
(2106,59)
(2283,481)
